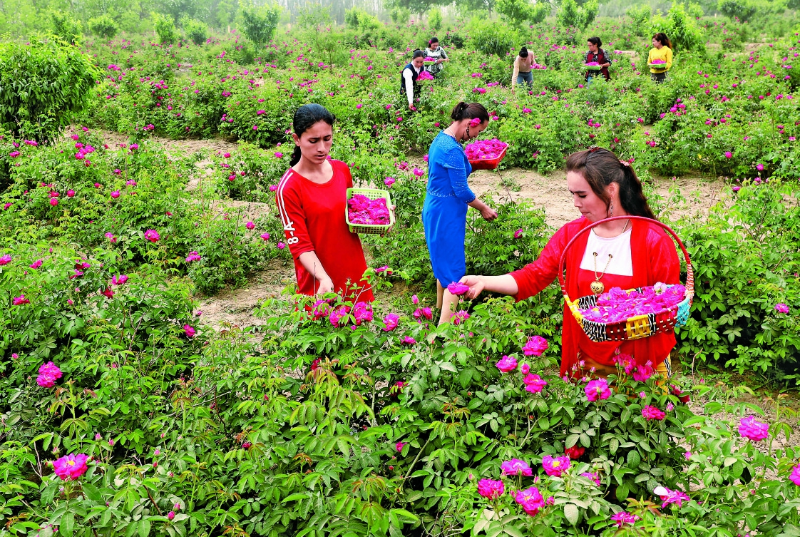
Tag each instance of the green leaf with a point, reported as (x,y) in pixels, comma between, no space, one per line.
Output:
(67,527)
(144,527)
(295,496)
(92,492)
(571,513)
(513,531)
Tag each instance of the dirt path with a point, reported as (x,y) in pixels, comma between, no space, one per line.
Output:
(550,192)
(236,307)
(177,148)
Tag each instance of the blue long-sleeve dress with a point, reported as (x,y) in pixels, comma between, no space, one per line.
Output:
(444,213)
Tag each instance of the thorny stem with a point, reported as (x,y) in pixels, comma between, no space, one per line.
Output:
(408,473)
(152,501)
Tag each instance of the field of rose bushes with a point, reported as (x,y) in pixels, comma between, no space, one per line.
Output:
(123,413)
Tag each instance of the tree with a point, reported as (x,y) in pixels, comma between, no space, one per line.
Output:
(259,23)
(65,27)
(588,13)
(314,16)
(413,6)
(225,12)
(435,18)
(740,9)
(518,12)
(103,26)
(165,29)
(196,31)
(569,14)
(681,27)
(476,5)
(43,86)
(358,19)
(399,15)
(640,14)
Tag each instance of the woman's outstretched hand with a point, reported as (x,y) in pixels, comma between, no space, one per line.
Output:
(488,213)
(476,286)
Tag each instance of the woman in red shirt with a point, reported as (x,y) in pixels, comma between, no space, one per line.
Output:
(620,253)
(311,198)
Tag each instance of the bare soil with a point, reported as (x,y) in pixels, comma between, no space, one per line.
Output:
(550,192)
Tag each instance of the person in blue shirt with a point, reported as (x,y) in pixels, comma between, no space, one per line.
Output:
(444,213)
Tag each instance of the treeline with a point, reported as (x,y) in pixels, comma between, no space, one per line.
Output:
(199,19)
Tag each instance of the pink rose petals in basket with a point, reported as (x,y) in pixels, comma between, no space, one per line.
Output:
(485,149)
(618,305)
(368,212)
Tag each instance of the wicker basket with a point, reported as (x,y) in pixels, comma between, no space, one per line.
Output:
(639,326)
(489,164)
(373,194)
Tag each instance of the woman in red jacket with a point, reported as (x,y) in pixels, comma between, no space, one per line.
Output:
(311,198)
(620,253)
(597,54)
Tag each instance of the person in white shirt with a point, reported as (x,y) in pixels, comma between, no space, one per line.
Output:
(408,79)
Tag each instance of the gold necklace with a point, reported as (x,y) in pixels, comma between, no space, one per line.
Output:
(597,286)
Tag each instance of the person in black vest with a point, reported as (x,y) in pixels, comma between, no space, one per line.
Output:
(408,78)
(597,54)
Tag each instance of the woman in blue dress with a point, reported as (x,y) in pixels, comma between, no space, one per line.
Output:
(444,213)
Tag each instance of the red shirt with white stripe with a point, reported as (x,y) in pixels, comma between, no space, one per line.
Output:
(313,217)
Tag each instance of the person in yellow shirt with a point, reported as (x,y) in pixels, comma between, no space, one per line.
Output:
(661,51)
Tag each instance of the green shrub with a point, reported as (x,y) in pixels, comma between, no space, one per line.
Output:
(196,31)
(259,23)
(746,261)
(65,27)
(681,28)
(435,19)
(489,38)
(640,15)
(165,28)
(52,83)
(104,26)
(737,9)
(399,15)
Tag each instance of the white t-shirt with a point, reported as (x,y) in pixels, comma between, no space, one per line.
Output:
(620,249)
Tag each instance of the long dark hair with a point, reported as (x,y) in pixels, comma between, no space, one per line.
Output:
(523,52)
(304,118)
(469,111)
(596,41)
(601,167)
(433,40)
(663,39)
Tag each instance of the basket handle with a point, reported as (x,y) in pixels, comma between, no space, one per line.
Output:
(689,271)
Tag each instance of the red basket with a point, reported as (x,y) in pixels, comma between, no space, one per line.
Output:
(488,164)
(639,326)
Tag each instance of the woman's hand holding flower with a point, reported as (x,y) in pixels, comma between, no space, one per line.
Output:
(476,286)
